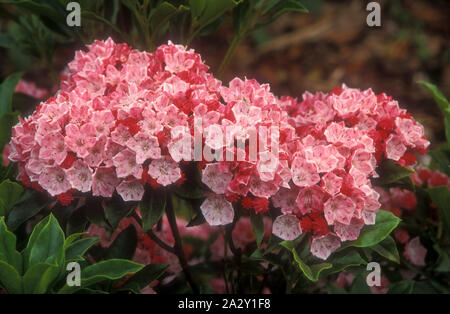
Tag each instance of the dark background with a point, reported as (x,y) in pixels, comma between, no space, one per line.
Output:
(325,48)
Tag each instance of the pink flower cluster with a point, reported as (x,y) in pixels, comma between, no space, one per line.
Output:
(341,137)
(122,118)
(111,126)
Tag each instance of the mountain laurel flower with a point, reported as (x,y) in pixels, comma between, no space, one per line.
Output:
(287,227)
(217,210)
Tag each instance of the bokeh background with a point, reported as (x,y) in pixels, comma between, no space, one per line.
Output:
(333,45)
(316,52)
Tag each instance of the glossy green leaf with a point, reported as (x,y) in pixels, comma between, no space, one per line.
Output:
(401,287)
(72,238)
(30,204)
(214,9)
(387,248)
(257,227)
(391,172)
(441,197)
(124,245)
(116,210)
(441,159)
(359,286)
(242,18)
(443,261)
(183,207)
(8,252)
(343,260)
(39,9)
(198,220)
(49,244)
(438,97)
(107,270)
(6,91)
(10,193)
(279,7)
(333,289)
(197,7)
(443,104)
(312,272)
(32,239)
(39,277)
(161,15)
(144,277)
(421,287)
(373,234)
(10,278)
(93,16)
(7,121)
(152,209)
(76,250)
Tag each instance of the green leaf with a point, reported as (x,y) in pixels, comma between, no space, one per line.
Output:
(390,172)
(6,91)
(438,97)
(10,193)
(443,261)
(10,278)
(116,210)
(39,9)
(443,104)
(76,222)
(152,209)
(8,252)
(39,277)
(7,121)
(266,257)
(49,244)
(291,244)
(76,250)
(93,16)
(279,7)
(72,238)
(214,9)
(242,18)
(94,211)
(387,248)
(441,159)
(311,272)
(112,269)
(198,220)
(359,286)
(161,15)
(373,234)
(441,197)
(197,7)
(401,287)
(333,289)
(183,207)
(144,277)
(421,287)
(343,260)
(190,191)
(257,227)
(124,245)
(33,237)
(29,205)
(274,244)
